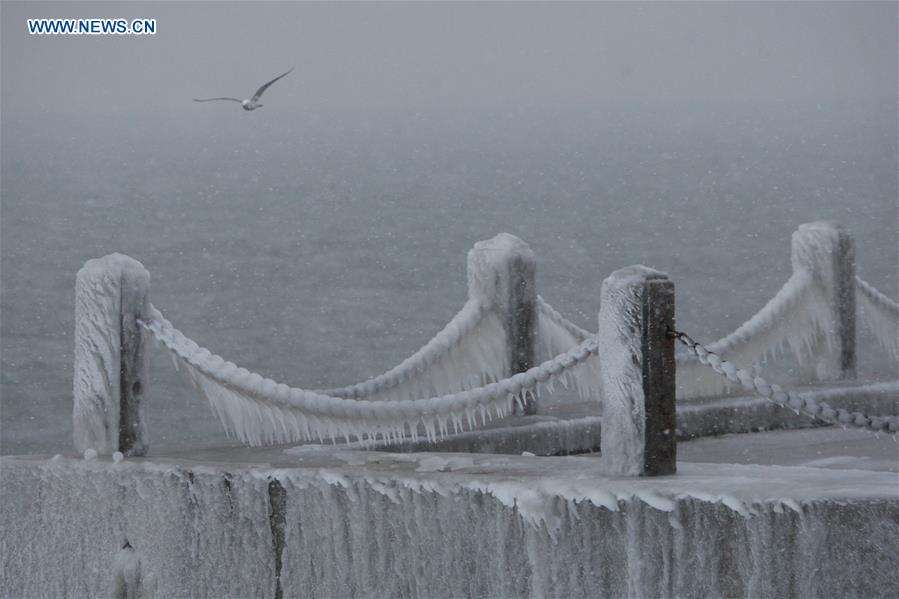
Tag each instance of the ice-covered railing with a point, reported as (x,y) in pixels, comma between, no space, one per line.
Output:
(468,352)
(880,314)
(260,411)
(774,393)
(555,332)
(483,363)
(813,314)
(481,366)
(490,337)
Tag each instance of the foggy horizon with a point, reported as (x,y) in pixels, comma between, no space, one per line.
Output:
(444,55)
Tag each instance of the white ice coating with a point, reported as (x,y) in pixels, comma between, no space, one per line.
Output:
(471,350)
(426,526)
(826,250)
(488,265)
(806,404)
(128,581)
(467,353)
(793,317)
(802,315)
(457,381)
(99,287)
(555,333)
(260,411)
(880,314)
(621,375)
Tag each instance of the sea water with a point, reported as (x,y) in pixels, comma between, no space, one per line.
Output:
(321,248)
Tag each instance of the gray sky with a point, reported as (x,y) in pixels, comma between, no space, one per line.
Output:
(451,54)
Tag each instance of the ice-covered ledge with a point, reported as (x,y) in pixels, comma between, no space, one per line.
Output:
(341,523)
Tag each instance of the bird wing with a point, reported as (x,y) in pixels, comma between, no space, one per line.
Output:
(265,86)
(214,99)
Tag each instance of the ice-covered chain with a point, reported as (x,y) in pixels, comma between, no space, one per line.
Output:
(877,298)
(464,322)
(554,315)
(261,389)
(775,394)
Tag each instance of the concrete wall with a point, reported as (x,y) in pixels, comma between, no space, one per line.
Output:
(402,526)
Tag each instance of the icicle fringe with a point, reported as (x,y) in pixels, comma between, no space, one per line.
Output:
(797,402)
(880,314)
(555,333)
(796,317)
(455,381)
(260,411)
(467,353)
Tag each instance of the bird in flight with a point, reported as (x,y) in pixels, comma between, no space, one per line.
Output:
(252,103)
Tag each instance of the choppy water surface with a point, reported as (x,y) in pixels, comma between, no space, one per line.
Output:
(323,248)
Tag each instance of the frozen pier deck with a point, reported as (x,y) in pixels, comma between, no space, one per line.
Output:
(816,515)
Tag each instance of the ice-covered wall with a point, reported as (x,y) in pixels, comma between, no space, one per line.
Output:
(64,524)
(372,524)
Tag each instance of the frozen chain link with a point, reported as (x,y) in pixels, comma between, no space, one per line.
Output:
(877,298)
(775,394)
(555,316)
(470,316)
(251,384)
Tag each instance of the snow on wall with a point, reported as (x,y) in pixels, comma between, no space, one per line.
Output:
(437,526)
(128,579)
(99,289)
(65,523)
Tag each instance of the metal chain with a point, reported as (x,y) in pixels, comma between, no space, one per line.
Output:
(775,394)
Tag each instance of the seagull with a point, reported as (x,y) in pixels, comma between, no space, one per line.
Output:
(252,103)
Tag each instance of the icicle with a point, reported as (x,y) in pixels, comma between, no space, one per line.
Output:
(470,346)
(258,410)
(796,316)
(880,314)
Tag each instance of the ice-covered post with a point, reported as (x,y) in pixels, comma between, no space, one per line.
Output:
(501,275)
(827,250)
(111,294)
(637,374)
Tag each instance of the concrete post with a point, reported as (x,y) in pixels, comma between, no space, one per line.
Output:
(638,373)
(111,294)
(827,250)
(501,274)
